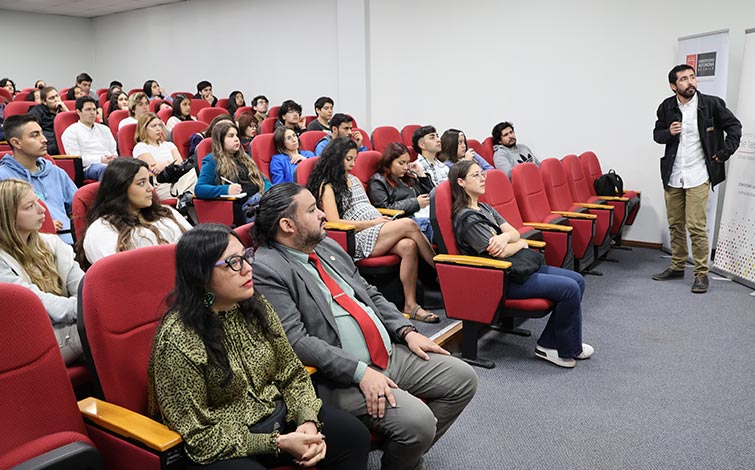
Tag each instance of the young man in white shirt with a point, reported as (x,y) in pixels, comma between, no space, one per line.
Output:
(426,143)
(92,141)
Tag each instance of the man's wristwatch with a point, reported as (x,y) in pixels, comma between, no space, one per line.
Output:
(405,330)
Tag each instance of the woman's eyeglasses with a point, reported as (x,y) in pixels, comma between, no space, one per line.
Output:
(236,262)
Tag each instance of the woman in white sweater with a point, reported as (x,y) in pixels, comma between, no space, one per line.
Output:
(42,262)
(125,215)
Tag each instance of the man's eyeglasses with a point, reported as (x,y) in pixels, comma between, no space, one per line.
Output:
(236,262)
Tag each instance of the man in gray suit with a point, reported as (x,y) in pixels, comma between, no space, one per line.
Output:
(421,390)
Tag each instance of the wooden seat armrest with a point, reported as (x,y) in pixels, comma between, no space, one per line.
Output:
(551,227)
(129,424)
(614,198)
(4,142)
(635,190)
(477,261)
(535,243)
(390,212)
(224,198)
(339,226)
(575,215)
(65,157)
(588,205)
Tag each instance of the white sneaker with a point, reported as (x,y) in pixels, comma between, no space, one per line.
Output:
(587,351)
(551,355)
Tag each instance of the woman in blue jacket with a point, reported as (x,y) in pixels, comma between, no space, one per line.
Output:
(283,164)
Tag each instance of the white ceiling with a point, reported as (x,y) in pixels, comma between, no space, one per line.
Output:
(82,8)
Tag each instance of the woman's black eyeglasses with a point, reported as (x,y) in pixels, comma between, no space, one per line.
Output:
(235,262)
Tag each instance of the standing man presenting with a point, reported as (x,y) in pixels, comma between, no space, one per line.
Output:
(692,127)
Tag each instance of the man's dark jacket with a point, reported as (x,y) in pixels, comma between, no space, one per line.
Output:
(713,119)
(46,120)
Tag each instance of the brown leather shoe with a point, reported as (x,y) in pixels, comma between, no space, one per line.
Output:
(700,286)
(668,274)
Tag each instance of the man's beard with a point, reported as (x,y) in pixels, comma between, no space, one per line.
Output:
(689,92)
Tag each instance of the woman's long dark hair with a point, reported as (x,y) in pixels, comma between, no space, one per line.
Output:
(459,197)
(449,145)
(112,204)
(177,108)
(232,106)
(113,106)
(330,170)
(391,152)
(196,254)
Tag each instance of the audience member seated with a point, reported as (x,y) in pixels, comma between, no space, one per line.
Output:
(481,231)
(229,171)
(223,375)
(118,100)
(138,106)
(453,148)
(84,81)
(247,129)
(114,88)
(427,145)
(91,140)
(260,104)
(9,85)
(181,112)
(204,92)
(39,84)
(35,96)
(341,125)
(323,111)
(403,185)
(290,116)
(371,360)
(42,262)
(51,183)
(152,148)
(74,93)
(341,196)
(154,91)
(283,164)
(235,101)
(195,139)
(125,215)
(507,152)
(45,113)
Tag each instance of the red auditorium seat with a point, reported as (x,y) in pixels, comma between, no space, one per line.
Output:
(309,139)
(183,131)
(487,150)
(272,112)
(164,115)
(126,142)
(197,104)
(263,150)
(187,94)
(5,96)
(83,199)
(114,119)
(17,107)
(207,114)
(242,110)
(384,135)
(267,126)
(222,103)
(459,275)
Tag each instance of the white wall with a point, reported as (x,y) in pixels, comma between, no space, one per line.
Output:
(572,76)
(45,47)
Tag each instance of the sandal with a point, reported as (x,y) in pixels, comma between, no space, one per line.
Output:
(428,317)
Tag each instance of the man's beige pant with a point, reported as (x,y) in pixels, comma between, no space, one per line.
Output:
(686,210)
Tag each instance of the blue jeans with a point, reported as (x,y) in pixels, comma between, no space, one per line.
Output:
(424,226)
(564,287)
(94,171)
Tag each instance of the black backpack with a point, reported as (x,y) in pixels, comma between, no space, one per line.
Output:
(609,184)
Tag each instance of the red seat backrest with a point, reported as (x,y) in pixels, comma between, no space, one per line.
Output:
(556,184)
(440,214)
(245,233)
(591,167)
(207,114)
(115,118)
(21,96)
(197,104)
(203,148)
(18,107)
(309,139)
(83,199)
(5,96)
(135,90)
(304,169)
(365,138)
(119,325)
(126,142)
(105,109)
(267,126)
(48,226)
(406,138)
(60,124)
(500,195)
(273,111)
(70,104)
(154,105)
(38,400)
(183,131)
(222,103)
(530,194)
(187,94)
(263,150)
(242,110)
(384,135)
(576,178)
(487,150)
(366,165)
(164,115)
(475,145)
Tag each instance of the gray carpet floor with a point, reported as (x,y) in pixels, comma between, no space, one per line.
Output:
(671,384)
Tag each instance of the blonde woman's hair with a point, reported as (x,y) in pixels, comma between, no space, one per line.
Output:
(32,254)
(226,162)
(133,100)
(141,128)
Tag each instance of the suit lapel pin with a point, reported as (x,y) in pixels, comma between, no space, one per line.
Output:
(332,258)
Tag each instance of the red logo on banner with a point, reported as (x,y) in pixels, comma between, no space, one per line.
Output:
(692,60)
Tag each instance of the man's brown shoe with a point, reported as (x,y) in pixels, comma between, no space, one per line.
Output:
(668,274)
(700,286)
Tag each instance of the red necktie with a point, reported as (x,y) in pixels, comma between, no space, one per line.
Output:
(378,353)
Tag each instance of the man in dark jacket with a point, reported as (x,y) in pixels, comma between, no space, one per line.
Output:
(45,113)
(692,127)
